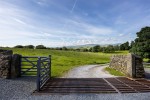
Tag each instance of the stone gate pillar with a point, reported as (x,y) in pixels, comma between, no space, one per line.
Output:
(10,65)
(16,66)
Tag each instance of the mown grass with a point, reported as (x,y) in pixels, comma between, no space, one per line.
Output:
(114,72)
(63,61)
(146,60)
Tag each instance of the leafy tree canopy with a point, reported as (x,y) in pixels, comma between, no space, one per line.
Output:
(18,46)
(40,47)
(29,46)
(141,44)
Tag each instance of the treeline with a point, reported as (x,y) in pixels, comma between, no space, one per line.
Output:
(97,48)
(111,48)
(31,46)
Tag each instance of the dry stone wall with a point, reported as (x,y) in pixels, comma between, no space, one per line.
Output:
(131,65)
(5,64)
(119,62)
(9,64)
(6,52)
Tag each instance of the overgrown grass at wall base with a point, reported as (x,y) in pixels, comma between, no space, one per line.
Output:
(62,61)
(114,72)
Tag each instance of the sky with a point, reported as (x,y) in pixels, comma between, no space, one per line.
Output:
(56,23)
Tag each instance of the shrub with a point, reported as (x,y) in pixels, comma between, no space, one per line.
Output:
(29,46)
(40,47)
(18,46)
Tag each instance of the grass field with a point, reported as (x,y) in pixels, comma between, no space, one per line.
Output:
(63,61)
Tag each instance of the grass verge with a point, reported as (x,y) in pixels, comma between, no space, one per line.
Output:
(114,72)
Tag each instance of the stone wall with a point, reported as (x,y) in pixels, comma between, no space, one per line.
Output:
(16,66)
(139,69)
(131,65)
(6,52)
(5,66)
(9,64)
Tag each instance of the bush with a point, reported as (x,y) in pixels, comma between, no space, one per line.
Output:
(40,47)
(64,48)
(29,46)
(96,48)
(108,49)
(18,46)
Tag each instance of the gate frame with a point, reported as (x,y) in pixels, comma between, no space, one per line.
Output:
(43,70)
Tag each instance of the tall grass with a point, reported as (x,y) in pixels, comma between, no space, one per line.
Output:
(63,61)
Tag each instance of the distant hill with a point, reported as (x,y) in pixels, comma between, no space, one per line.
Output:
(91,45)
(82,46)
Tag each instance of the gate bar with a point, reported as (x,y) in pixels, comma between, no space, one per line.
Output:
(38,73)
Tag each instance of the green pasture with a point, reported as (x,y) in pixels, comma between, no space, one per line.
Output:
(63,61)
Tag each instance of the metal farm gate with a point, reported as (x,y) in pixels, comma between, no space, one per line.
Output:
(36,66)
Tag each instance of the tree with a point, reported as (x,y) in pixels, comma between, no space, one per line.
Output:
(18,46)
(96,48)
(90,50)
(78,49)
(141,44)
(29,46)
(125,46)
(108,49)
(122,47)
(132,44)
(116,47)
(40,47)
(84,50)
(64,48)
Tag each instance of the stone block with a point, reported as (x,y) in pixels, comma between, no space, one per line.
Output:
(16,66)
(5,66)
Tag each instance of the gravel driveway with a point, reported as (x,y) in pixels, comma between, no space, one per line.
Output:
(88,71)
(22,88)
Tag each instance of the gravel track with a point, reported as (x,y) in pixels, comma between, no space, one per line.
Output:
(19,88)
(88,71)
(22,89)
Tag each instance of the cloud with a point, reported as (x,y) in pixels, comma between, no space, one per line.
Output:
(99,30)
(43,3)
(49,21)
(90,28)
(121,34)
(19,21)
(120,22)
(73,6)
